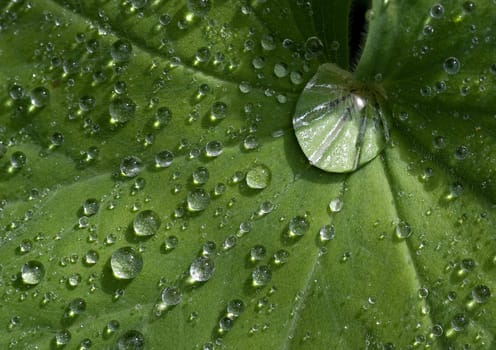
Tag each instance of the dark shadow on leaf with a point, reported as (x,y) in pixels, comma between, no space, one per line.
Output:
(108,281)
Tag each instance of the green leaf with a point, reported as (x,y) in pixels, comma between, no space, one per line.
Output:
(399,253)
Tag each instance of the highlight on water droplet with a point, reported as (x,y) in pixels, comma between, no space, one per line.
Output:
(338,122)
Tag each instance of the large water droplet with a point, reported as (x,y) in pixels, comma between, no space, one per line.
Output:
(146,223)
(202,269)
(339,123)
(126,263)
(32,272)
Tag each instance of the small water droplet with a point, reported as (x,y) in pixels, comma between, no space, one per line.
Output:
(459,322)
(481,294)
(200,176)
(257,253)
(258,177)
(40,96)
(146,223)
(218,111)
(199,8)
(326,233)
(131,340)
(202,269)
(121,51)
(91,257)
(171,296)
(214,149)
(198,200)
(131,166)
(90,206)
(261,275)
(126,263)
(437,11)
(121,110)
(335,205)
(62,338)
(235,308)
(17,160)
(298,226)
(403,230)
(32,272)
(451,65)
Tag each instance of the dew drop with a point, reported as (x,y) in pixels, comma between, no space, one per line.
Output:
(261,275)
(131,166)
(90,206)
(403,230)
(197,200)
(451,65)
(327,232)
(16,92)
(214,149)
(121,51)
(218,111)
(200,176)
(257,253)
(162,117)
(199,8)
(298,226)
(235,308)
(280,70)
(75,307)
(258,177)
(146,223)
(32,272)
(171,296)
(163,159)
(62,337)
(121,110)
(459,322)
(91,257)
(335,205)
(40,97)
(481,294)
(280,257)
(202,269)
(437,11)
(87,103)
(126,263)
(18,160)
(131,340)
